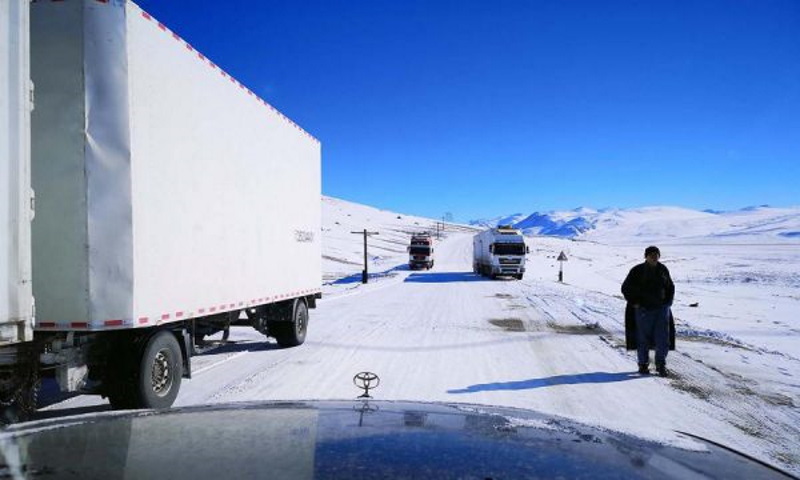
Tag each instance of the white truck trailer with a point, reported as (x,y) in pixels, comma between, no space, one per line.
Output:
(420,251)
(16,212)
(171,202)
(499,252)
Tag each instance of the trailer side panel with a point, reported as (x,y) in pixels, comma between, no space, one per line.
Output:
(183,193)
(16,314)
(226,190)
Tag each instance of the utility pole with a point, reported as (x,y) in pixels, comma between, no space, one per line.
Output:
(365,273)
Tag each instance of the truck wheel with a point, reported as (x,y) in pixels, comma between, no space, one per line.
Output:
(160,370)
(293,333)
(158,379)
(519,276)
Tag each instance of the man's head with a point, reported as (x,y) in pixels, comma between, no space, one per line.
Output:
(651,255)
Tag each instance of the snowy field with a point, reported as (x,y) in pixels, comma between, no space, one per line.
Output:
(449,335)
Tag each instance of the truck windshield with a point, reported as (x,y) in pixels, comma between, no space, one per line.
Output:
(414,250)
(509,249)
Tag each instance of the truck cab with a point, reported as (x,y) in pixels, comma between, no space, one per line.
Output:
(500,251)
(420,252)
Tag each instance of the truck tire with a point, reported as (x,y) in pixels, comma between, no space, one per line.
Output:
(156,382)
(519,276)
(293,333)
(161,369)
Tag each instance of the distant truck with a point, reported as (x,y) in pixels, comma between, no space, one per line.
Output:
(171,202)
(420,252)
(499,251)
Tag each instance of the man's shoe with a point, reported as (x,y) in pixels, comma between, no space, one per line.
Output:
(644,370)
(662,370)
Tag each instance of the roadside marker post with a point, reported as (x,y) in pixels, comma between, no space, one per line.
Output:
(561,259)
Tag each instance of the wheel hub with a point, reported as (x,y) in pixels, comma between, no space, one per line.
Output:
(161,375)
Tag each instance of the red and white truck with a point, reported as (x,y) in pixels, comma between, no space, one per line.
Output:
(420,251)
(171,201)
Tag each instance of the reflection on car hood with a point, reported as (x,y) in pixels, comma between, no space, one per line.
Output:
(355,439)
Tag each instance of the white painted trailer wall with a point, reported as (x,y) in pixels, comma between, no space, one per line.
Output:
(480,246)
(16,302)
(166,189)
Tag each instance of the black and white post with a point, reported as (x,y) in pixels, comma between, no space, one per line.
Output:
(561,259)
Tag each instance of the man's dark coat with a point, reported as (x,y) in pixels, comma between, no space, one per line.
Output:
(650,287)
(630,329)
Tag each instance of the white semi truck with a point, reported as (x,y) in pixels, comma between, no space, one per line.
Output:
(171,202)
(499,251)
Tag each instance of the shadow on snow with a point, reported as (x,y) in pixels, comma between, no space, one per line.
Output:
(595,377)
(444,277)
(358,277)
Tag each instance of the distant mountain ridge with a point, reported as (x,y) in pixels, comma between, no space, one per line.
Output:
(759,223)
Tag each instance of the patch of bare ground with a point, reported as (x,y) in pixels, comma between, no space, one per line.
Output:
(581,329)
(508,324)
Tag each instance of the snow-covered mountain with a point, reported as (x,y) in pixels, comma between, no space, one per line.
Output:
(612,225)
(512,219)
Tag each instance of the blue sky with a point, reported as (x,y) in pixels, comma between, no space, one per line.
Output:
(494,107)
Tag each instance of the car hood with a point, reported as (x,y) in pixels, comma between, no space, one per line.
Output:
(356,439)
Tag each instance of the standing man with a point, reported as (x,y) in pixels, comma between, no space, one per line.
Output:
(649,291)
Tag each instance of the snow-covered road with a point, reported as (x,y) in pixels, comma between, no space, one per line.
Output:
(449,335)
